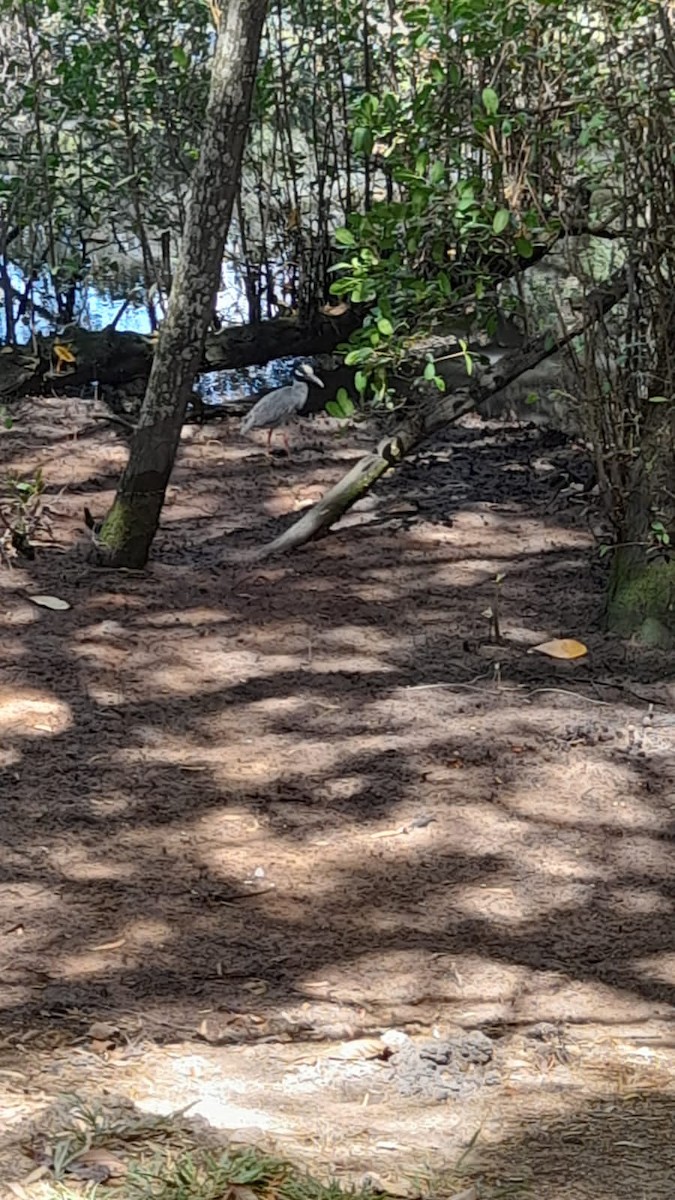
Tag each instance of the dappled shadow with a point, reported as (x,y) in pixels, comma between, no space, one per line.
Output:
(224,786)
(567,1148)
(621,1145)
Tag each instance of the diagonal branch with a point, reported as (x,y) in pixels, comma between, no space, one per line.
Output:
(432,415)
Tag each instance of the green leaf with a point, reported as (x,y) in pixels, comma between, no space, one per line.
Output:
(468,361)
(437,173)
(490,101)
(345,237)
(500,220)
(385,326)
(524,247)
(430,371)
(360,382)
(341,287)
(361,292)
(362,140)
(179,56)
(342,406)
(659,400)
(354,357)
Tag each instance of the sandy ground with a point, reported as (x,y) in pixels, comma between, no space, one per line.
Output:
(254,816)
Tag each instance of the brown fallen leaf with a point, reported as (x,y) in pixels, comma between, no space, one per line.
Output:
(36,1175)
(102,1031)
(359,1050)
(334,310)
(15,1189)
(391,1186)
(238,1191)
(226,1027)
(257,987)
(97,1166)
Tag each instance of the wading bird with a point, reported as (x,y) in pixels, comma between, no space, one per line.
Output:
(279,407)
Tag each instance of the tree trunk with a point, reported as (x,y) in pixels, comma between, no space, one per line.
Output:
(131,524)
(641,599)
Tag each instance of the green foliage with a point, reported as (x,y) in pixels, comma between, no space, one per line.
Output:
(21,514)
(435,139)
(449,228)
(25,494)
(201,1175)
(101,115)
(342,406)
(485,110)
(660,534)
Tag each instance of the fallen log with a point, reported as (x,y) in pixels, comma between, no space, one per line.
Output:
(432,414)
(115,359)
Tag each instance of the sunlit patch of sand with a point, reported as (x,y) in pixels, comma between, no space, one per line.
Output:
(32,713)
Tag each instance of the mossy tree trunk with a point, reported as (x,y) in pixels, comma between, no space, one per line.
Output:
(130,526)
(641,599)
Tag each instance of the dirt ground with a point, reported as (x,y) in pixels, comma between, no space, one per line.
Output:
(279,839)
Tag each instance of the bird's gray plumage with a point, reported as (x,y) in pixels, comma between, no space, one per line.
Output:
(280,406)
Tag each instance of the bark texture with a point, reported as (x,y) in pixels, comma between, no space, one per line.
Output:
(641,597)
(131,524)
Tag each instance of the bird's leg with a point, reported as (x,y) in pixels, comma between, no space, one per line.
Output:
(269,440)
(288,449)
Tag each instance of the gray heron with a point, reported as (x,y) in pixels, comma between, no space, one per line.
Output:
(279,407)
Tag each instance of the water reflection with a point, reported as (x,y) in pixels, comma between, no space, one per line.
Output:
(98,306)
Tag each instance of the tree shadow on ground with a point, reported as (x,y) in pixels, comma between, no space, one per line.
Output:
(212,779)
(610,1146)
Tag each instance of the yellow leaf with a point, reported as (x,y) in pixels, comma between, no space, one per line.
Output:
(566,648)
(63,353)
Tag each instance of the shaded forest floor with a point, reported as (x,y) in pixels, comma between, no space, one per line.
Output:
(296,844)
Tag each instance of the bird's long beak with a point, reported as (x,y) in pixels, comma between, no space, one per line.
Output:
(314,378)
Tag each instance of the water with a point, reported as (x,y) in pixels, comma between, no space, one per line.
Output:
(97,306)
